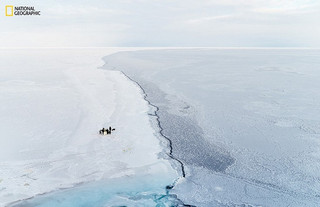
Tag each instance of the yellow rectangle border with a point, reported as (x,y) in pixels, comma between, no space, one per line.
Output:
(7,7)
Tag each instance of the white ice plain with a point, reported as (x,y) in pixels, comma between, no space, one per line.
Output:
(52,104)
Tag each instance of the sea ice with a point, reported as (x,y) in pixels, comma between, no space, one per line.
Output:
(246,122)
(53,103)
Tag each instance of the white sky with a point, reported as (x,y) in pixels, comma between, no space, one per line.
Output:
(205,23)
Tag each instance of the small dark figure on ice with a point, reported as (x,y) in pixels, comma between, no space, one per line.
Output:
(104,131)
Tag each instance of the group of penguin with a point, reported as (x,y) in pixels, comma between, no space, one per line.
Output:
(104,131)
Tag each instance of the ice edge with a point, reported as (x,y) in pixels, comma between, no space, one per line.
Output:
(183,173)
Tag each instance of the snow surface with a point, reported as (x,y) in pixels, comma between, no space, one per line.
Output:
(52,104)
(246,122)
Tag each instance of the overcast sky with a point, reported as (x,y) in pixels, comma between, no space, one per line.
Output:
(203,23)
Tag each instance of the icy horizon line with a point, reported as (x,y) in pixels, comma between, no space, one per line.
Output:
(150,47)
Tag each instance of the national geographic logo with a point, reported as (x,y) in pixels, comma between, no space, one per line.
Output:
(21,11)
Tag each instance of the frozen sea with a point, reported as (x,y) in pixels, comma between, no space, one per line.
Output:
(245,122)
(53,102)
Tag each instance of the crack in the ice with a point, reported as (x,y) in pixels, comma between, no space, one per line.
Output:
(159,125)
(169,187)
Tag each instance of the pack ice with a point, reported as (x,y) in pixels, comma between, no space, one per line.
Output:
(245,122)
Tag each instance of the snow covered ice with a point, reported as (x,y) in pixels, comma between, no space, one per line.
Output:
(53,103)
(246,122)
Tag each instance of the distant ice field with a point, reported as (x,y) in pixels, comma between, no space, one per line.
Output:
(246,122)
